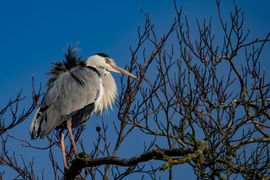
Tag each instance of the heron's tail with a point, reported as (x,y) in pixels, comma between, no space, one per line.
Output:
(35,126)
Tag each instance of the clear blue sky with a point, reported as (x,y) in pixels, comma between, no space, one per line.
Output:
(33,34)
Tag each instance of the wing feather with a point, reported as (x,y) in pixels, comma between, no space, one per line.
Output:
(70,92)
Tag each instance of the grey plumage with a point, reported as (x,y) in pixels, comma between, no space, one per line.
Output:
(70,61)
(76,89)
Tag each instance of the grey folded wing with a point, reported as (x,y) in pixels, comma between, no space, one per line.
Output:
(72,93)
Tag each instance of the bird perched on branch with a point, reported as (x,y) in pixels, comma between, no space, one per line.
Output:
(76,89)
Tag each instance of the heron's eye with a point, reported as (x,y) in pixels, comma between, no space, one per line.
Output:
(107,60)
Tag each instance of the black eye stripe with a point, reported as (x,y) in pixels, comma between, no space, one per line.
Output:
(103,55)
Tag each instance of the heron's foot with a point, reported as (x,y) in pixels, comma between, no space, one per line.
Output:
(82,155)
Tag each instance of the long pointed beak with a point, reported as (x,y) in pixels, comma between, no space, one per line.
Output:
(120,70)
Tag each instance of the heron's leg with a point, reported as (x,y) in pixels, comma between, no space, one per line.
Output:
(62,139)
(69,127)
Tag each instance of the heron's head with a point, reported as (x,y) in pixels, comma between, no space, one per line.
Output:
(103,61)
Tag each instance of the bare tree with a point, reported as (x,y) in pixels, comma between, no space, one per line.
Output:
(11,116)
(202,100)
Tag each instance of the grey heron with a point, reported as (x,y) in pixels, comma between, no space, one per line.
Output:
(75,90)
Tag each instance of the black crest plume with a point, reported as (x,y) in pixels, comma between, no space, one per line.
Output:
(70,61)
